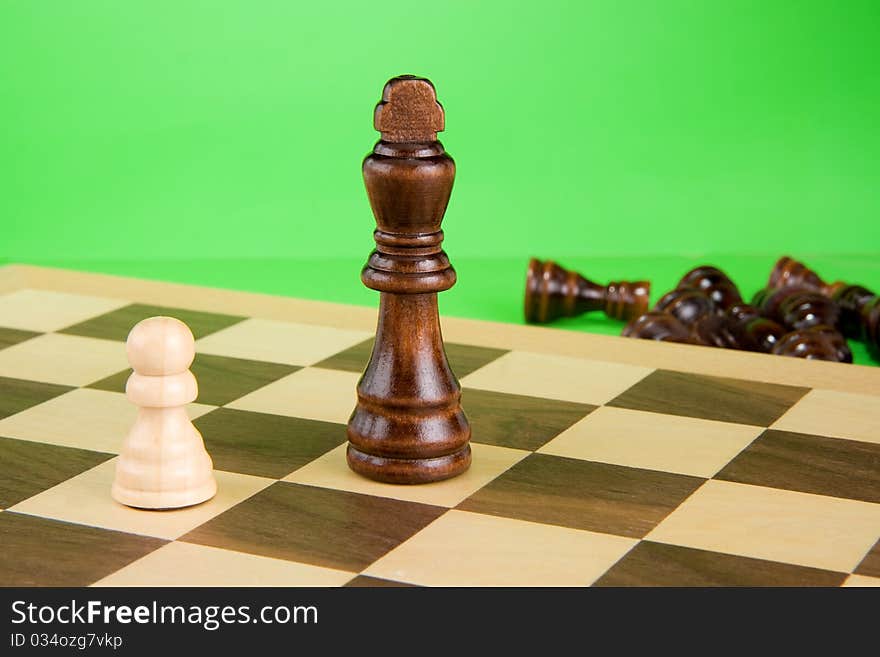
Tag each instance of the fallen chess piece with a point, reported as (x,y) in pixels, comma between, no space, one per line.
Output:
(857,304)
(687,304)
(714,283)
(553,292)
(660,326)
(749,331)
(788,272)
(859,307)
(741,327)
(693,312)
(797,314)
(163,463)
(706,308)
(815,343)
(797,308)
(871,326)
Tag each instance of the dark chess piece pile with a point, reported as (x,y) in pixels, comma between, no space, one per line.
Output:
(797,314)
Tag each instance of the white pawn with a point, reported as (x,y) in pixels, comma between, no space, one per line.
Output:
(163,463)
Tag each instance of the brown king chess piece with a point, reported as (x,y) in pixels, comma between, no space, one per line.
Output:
(408,426)
(553,292)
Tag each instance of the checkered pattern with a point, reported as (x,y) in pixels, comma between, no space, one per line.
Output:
(584,472)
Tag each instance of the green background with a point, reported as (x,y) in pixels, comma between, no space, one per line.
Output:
(220,142)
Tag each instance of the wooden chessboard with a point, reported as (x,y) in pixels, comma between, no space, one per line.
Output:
(597,460)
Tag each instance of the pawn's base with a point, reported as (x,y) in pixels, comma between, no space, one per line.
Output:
(157,500)
(409,471)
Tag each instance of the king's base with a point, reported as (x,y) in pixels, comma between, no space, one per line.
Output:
(409,471)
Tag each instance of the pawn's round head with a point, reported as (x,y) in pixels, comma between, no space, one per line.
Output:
(160,345)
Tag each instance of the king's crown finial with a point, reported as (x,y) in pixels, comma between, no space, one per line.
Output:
(409,111)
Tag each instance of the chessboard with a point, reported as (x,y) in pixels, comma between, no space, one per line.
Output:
(597,460)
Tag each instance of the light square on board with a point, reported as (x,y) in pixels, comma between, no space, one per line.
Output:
(835,414)
(62,359)
(654,441)
(42,552)
(85,499)
(83,418)
(279,342)
(332,471)
(188,564)
(44,311)
(319,526)
(311,393)
(777,525)
(469,549)
(555,377)
(861,581)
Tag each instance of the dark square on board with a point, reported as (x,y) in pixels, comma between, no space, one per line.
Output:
(518,421)
(463,358)
(42,552)
(367,582)
(116,324)
(318,526)
(657,564)
(710,397)
(809,464)
(28,468)
(264,444)
(599,497)
(870,565)
(19,394)
(221,379)
(11,336)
